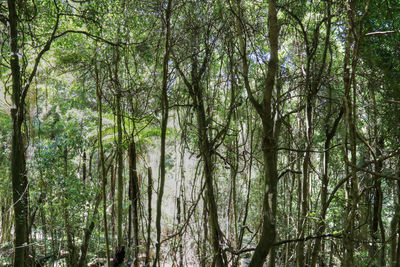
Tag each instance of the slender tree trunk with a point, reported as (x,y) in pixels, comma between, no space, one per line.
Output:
(233,157)
(130,197)
(393,232)
(378,195)
(102,163)
(303,223)
(134,197)
(18,165)
(299,251)
(203,254)
(45,229)
(348,230)
(397,254)
(246,210)
(84,167)
(178,220)
(196,93)
(120,179)
(164,122)
(395,222)
(306,179)
(349,79)
(269,131)
(268,234)
(112,194)
(52,231)
(329,134)
(378,198)
(182,195)
(398,243)
(269,144)
(88,233)
(72,257)
(216,234)
(149,195)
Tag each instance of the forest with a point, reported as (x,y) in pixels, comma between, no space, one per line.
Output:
(199,133)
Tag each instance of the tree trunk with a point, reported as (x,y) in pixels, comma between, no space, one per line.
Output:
(350,63)
(269,129)
(378,194)
(196,93)
(203,253)
(112,195)
(246,210)
(329,134)
(72,259)
(149,195)
(397,254)
(84,167)
(18,165)
(306,179)
(102,163)
(269,144)
(178,220)
(164,122)
(395,221)
(120,181)
(134,198)
(88,233)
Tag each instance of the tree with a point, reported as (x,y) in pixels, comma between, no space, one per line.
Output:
(18,162)
(270,130)
(164,123)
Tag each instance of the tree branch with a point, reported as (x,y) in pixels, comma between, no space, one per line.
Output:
(307,238)
(380,33)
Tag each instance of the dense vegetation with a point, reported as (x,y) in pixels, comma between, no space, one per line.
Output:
(200,133)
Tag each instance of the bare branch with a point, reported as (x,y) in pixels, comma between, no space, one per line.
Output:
(307,238)
(380,33)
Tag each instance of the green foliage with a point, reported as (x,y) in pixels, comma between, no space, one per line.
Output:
(121,53)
